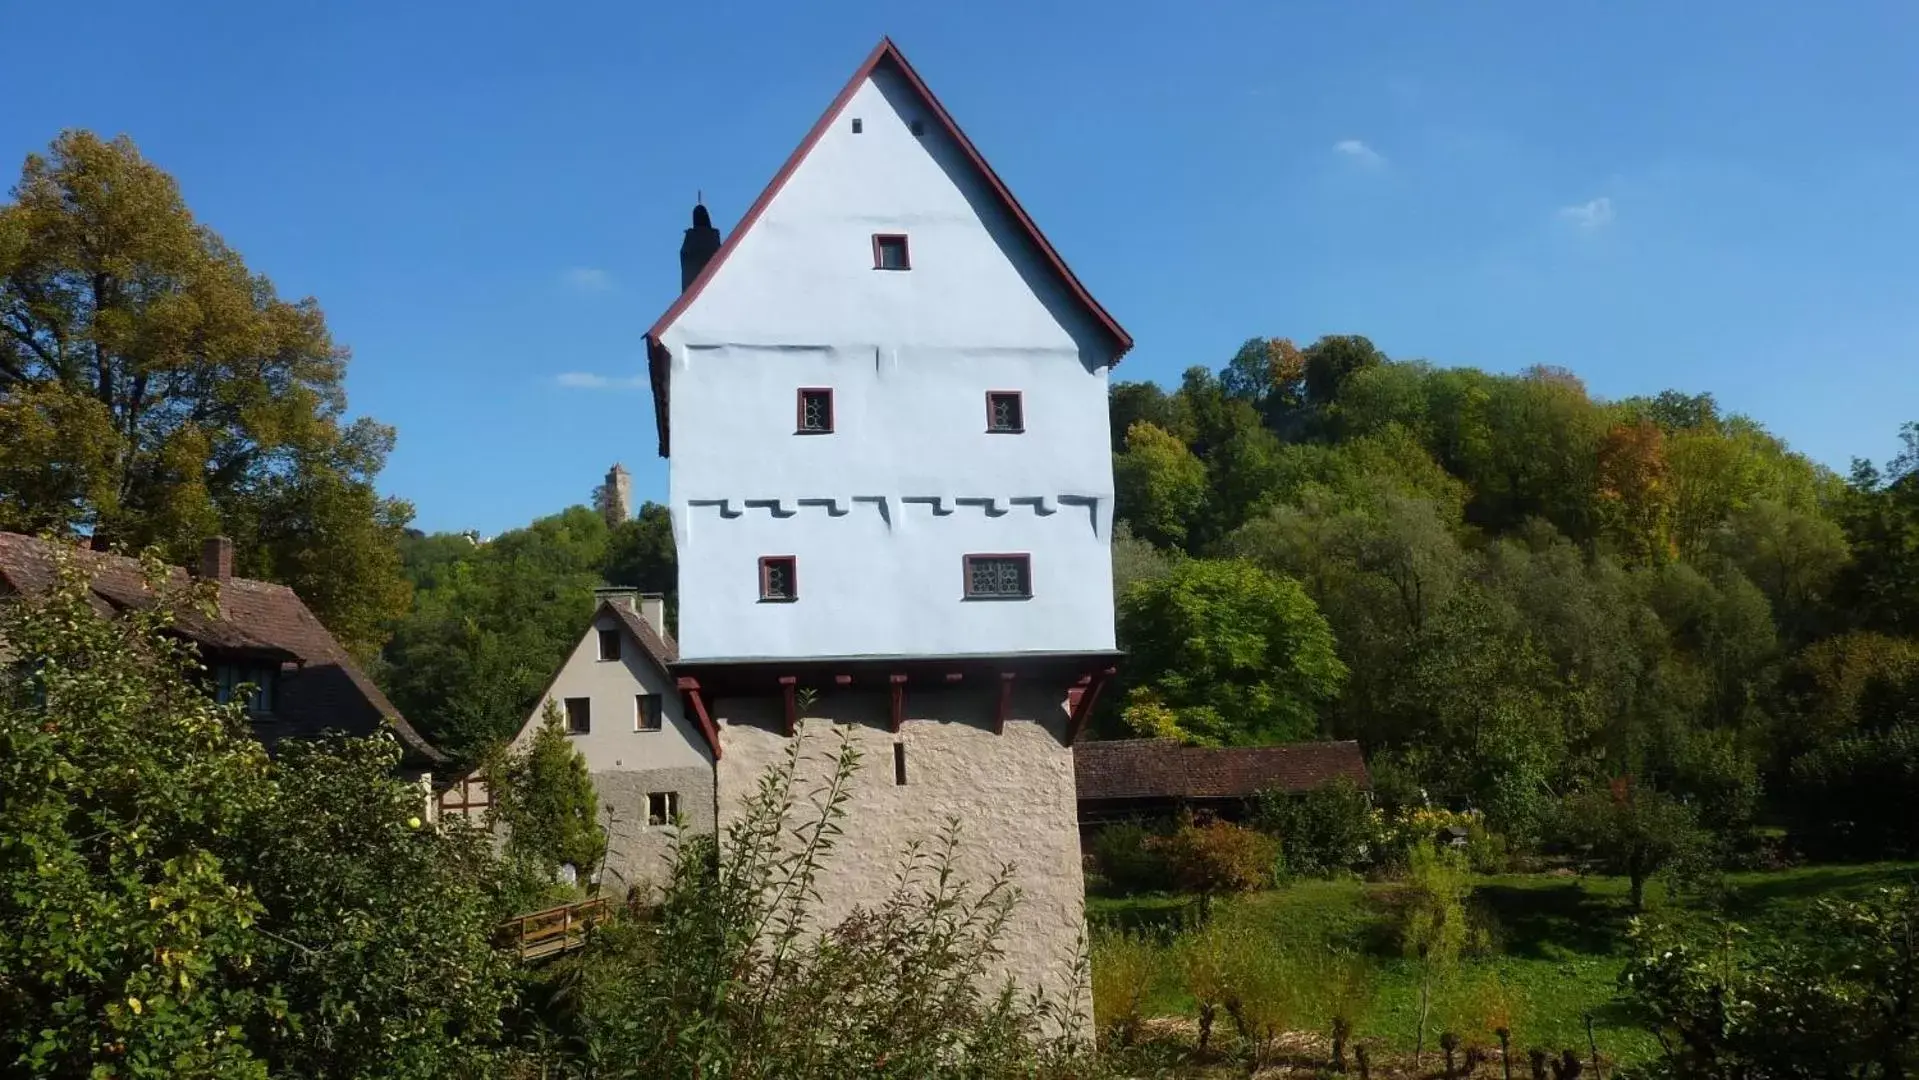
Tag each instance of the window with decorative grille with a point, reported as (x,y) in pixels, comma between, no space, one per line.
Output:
(1004,412)
(815,411)
(999,577)
(779,578)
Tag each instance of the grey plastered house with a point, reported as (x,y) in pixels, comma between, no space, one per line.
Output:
(652,765)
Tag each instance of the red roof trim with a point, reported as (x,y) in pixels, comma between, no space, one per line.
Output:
(887,51)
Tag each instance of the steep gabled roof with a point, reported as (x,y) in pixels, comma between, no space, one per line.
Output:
(660,648)
(258,619)
(1161,768)
(885,53)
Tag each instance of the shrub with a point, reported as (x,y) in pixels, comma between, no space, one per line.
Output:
(1126,857)
(1123,965)
(1840,1005)
(545,799)
(1218,857)
(1326,830)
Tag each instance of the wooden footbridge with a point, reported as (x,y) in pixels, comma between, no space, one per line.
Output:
(549,933)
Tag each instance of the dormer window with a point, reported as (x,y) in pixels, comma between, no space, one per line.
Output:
(815,411)
(779,579)
(1005,413)
(233,680)
(889,252)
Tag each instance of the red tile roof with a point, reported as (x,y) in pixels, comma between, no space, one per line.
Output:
(1162,768)
(885,53)
(320,688)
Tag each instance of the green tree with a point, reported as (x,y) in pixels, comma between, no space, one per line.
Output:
(1634,831)
(173,903)
(1235,654)
(544,796)
(1333,359)
(1434,930)
(188,398)
(1160,485)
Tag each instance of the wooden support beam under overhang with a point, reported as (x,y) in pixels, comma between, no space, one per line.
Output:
(1005,703)
(1088,698)
(897,688)
(693,704)
(789,695)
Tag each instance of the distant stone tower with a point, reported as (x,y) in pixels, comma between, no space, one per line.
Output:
(614,499)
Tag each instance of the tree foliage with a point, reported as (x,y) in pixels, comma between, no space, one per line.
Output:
(155,391)
(173,903)
(492,620)
(544,797)
(1228,653)
(1531,590)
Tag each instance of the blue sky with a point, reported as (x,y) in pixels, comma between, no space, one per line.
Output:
(486,197)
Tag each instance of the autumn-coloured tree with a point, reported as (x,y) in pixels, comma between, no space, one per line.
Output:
(155,390)
(1635,499)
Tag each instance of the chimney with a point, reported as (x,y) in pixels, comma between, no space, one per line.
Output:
(617,595)
(216,558)
(653,610)
(701,243)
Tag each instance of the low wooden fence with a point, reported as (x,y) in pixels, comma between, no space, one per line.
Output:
(557,930)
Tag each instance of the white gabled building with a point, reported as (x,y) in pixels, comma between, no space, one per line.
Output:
(884,402)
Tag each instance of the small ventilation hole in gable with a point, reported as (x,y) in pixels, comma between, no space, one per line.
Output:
(856,126)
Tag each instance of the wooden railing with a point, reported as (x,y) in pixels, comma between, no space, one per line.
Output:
(553,931)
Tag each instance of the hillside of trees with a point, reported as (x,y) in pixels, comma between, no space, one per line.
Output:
(1510,591)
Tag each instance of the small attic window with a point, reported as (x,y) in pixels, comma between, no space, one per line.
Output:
(890,253)
(918,127)
(857,128)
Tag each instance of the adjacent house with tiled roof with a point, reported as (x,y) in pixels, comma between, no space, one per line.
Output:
(1142,778)
(651,759)
(261,634)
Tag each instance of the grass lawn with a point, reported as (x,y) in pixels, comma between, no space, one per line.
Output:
(1557,943)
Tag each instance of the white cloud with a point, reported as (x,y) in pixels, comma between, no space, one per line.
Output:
(584,380)
(1591,215)
(587,279)
(1358,151)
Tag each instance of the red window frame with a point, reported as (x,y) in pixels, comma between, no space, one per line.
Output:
(792,579)
(799,410)
(1019,401)
(966,574)
(906,251)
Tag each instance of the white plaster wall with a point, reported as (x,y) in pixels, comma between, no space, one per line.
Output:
(910,356)
(1013,793)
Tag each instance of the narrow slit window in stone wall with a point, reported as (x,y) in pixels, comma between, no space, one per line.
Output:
(899,764)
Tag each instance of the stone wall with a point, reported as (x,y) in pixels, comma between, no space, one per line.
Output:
(1013,794)
(638,854)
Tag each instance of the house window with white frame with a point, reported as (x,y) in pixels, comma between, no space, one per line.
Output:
(662,807)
